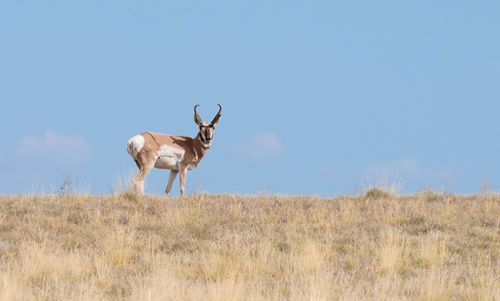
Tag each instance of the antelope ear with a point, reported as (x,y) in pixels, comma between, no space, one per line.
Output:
(216,118)
(197,118)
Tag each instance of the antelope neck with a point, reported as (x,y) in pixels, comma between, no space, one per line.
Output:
(198,142)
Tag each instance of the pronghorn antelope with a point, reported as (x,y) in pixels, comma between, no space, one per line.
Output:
(177,153)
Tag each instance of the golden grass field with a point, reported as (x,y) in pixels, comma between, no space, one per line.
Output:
(426,246)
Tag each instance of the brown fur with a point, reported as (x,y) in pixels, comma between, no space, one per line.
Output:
(153,141)
(194,150)
(147,156)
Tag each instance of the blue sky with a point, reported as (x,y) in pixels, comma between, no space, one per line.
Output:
(319,97)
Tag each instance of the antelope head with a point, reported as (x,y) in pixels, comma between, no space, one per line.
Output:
(206,132)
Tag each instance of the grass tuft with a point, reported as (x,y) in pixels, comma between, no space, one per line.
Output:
(377,193)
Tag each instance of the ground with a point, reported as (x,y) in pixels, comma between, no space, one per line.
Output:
(375,246)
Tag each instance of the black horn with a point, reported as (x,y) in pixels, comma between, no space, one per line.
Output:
(197,118)
(216,118)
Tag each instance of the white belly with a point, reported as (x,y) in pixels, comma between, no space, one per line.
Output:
(169,157)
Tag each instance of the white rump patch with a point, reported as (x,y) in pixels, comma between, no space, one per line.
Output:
(134,145)
(169,157)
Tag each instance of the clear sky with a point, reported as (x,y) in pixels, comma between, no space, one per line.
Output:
(318,97)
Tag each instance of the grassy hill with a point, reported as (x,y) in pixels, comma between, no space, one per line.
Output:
(426,246)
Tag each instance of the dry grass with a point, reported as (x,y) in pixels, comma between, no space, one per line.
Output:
(426,246)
